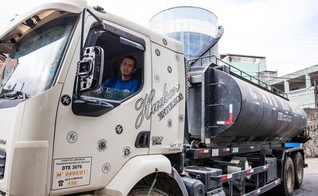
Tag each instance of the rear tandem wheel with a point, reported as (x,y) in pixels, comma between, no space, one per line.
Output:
(288,182)
(299,169)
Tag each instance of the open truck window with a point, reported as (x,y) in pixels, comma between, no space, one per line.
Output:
(116,44)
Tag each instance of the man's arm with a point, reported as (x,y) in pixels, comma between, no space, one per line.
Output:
(136,86)
(110,82)
(105,84)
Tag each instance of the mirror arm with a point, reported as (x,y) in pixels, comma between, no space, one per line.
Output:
(99,20)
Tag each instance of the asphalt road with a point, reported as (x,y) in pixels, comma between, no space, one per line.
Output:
(310,183)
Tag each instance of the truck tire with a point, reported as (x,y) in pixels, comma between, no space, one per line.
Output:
(298,162)
(142,191)
(287,185)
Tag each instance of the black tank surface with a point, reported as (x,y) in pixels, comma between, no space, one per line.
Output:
(233,110)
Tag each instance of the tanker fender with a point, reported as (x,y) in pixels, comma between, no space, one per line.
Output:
(281,155)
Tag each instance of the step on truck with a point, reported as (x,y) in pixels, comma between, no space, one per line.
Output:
(189,130)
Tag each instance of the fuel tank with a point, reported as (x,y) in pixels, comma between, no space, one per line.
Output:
(224,108)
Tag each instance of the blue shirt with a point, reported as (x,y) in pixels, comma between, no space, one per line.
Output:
(116,82)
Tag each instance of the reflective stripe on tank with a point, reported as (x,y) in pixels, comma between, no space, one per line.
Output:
(230,120)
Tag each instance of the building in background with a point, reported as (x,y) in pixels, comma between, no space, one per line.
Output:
(196,27)
(254,66)
(267,75)
(299,86)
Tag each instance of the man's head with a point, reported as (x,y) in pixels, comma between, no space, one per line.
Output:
(128,67)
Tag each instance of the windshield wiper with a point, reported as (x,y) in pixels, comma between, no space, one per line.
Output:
(15,95)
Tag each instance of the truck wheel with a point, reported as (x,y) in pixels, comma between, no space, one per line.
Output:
(298,162)
(287,185)
(144,191)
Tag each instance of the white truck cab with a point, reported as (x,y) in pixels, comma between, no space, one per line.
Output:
(61,133)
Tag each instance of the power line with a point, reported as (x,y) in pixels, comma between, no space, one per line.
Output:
(301,40)
(270,32)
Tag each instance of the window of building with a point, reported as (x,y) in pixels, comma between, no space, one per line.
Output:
(236,59)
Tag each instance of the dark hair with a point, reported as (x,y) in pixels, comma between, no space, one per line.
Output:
(132,58)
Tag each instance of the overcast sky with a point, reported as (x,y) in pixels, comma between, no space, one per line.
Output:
(283,31)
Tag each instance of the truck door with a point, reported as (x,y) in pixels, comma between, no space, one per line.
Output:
(90,148)
(168,105)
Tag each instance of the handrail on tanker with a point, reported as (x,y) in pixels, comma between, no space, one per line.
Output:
(241,74)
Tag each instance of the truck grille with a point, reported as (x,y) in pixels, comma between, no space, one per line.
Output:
(2,163)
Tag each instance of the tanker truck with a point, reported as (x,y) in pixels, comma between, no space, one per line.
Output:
(191,129)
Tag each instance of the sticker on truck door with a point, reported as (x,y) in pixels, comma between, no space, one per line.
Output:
(71,172)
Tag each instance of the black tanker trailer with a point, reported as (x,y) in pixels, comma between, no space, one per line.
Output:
(240,136)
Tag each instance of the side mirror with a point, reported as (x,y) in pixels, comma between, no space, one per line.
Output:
(90,69)
(89,76)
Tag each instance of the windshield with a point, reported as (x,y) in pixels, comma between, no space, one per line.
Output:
(31,66)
